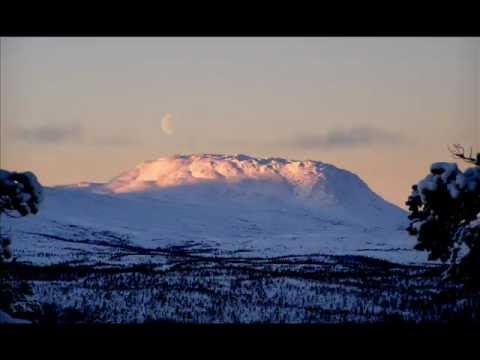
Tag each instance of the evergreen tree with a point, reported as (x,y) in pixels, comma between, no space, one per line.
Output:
(445,216)
(20,195)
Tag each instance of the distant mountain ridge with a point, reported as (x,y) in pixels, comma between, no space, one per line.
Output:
(230,203)
(309,183)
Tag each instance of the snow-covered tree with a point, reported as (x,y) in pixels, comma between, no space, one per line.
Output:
(445,216)
(20,195)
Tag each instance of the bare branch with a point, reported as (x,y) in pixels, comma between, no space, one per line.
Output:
(458,152)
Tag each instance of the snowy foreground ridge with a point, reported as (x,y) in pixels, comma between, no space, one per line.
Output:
(218,205)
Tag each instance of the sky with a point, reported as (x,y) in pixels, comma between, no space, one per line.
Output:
(87,109)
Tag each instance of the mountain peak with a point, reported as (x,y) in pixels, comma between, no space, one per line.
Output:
(261,182)
(177,170)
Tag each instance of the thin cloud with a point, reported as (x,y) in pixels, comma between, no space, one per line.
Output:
(115,141)
(355,137)
(70,133)
(49,134)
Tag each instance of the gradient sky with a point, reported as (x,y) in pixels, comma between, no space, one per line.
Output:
(86,109)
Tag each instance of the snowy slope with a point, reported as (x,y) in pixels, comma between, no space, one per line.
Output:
(219,204)
(239,178)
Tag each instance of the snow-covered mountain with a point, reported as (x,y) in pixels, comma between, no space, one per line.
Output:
(222,204)
(241,178)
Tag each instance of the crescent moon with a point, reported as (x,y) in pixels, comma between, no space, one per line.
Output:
(167,124)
